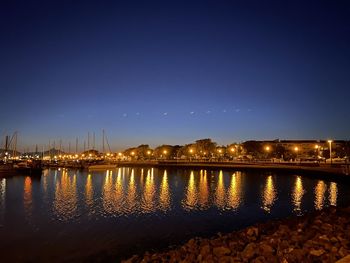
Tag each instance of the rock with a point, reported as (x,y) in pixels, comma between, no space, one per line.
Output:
(265,249)
(221,251)
(334,240)
(253,231)
(343,252)
(327,227)
(205,251)
(344,259)
(324,238)
(317,252)
(249,251)
(260,259)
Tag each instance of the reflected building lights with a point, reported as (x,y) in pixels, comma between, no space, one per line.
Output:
(234,198)
(298,193)
(269,195)
(220,192)
(2,197)
(44,180)
(27,198)
(113,194)
(320,191)
(333,193)
(65,202)
(164,195)
(191,194)
(131,196)
(148,204)
(203,199)
(89,191)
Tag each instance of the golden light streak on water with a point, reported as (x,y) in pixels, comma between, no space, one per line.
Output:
(164,195)
(27,196)
(148,202)
(44,180)
(191,197)
(203,199)
(234,198)
(220,192)
(112,193)
(320,191)
(333,193)
(89,192)
(2,197)
(298,193)
(65,202)
(269,195)
(131,196)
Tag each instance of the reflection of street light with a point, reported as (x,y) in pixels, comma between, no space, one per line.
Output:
(330,149)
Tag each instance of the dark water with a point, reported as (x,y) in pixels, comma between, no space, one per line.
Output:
(73,216)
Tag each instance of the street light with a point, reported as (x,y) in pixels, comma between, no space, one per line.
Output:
(296,149)
(330,149)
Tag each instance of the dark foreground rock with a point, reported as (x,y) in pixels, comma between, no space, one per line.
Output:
(316,237)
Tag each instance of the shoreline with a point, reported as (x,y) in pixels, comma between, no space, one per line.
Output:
(340,170)
(318,236)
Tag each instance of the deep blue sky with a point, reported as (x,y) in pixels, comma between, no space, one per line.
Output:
(171,72)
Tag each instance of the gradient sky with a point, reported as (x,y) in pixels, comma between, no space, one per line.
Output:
(174,71)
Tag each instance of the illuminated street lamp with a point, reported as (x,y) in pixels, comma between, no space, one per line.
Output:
(317,147)
(267,148)
(330,149)
(296,149)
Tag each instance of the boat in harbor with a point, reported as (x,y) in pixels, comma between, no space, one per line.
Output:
(30,167)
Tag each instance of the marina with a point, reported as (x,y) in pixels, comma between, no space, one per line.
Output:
(130,210)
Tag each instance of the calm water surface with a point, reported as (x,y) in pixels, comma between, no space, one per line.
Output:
(70,216)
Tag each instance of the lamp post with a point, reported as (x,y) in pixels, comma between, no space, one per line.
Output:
(191,152)
(296,149)
(330,150)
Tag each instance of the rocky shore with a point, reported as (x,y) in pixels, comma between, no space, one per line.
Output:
(322,236)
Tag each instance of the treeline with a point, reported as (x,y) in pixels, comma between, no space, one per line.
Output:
(206,149)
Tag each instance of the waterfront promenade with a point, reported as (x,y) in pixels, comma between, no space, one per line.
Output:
(340,169)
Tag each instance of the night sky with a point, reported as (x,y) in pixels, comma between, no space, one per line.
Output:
(172,72)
